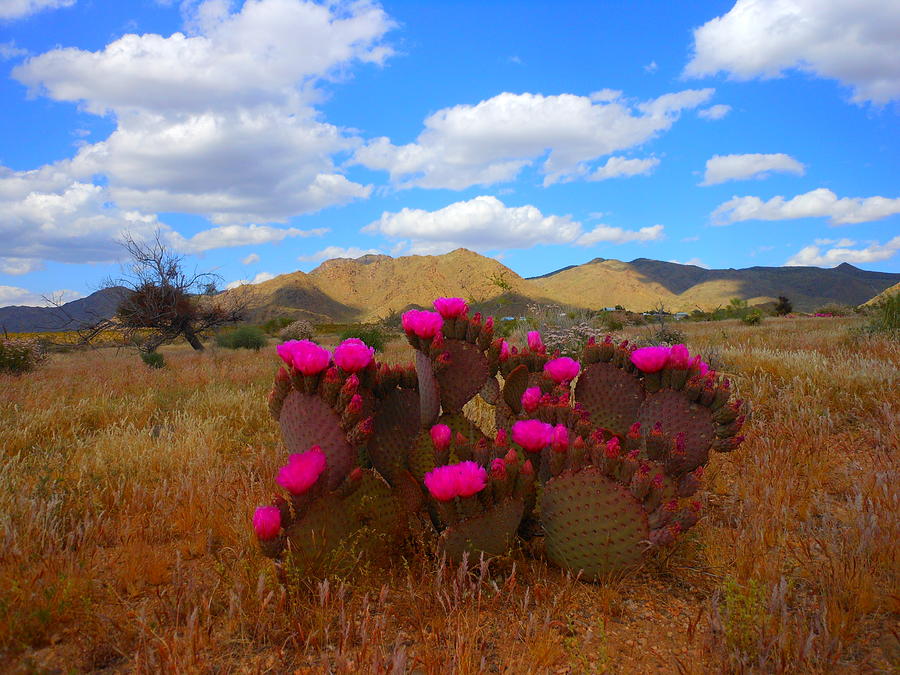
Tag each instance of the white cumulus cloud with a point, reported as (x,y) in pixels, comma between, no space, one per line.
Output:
(852,41)
(820,203)
(487,224)
(20,9)
(492,141)
(218,120)
(617,235)
(814,256)
(721,168)
(228,236)
(715,112)
(14,295)
(331,252)
(251,259)
(259,278)
(619,166)
(482,223)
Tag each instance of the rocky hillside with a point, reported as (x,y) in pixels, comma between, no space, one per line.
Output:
(375,286)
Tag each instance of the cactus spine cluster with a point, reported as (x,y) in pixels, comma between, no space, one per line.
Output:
(604,469)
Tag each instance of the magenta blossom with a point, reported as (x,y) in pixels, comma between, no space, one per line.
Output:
(562,370)
(472,478)
(455,480)
(560,438)
(422,323)
(531,398)
(650,359)
(504,350)
(302,470)
(679,357)
(450,308)
(535,343)
(305,355)
(267,522)
(532,435)
(353,355)
(498,469)
(440,436)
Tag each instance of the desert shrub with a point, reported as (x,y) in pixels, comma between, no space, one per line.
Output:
(752,318)
(245,337)
(885,318)
(20,356)
(834,309)
(273,326)
(297,330)
(784,306)
(560,330)
(371,335)
(153,359)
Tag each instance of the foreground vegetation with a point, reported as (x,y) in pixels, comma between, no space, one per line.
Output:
(126,495)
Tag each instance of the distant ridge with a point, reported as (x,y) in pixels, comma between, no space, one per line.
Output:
(374,286)
(72,315)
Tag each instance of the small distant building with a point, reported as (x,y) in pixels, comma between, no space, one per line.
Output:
(680,315)
(609,309)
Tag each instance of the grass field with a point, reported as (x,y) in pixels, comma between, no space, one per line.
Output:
(125,542)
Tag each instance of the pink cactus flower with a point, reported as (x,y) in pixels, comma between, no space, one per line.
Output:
(501,440)
(531,398)
(613,448)
(422,323)
(498,469)
(679,357)
(450,308)
(532,435)
(535,343)
(472,478)
(455,480)
(562,370)
(560,438)
(355,405)
(440,436)
(504,350)
(302,470)
(650,359)
(442,483)
(305,355)
(267,522)
(352,355)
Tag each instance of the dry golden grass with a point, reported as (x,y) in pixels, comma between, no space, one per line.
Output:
(126,495)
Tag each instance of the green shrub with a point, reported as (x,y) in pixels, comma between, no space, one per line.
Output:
(273,326)
(369,334)
(886,317)
(245,337)
(20,356)
(153,359)
(752,318)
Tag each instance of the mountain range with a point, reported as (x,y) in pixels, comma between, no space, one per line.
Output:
(374,286)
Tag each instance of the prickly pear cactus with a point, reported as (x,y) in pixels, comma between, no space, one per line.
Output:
(600,457)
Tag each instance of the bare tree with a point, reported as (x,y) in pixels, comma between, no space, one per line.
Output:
(163,302)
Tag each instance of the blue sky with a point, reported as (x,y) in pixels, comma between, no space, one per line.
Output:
(265,136)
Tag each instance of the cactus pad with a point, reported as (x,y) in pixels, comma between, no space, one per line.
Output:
(490,532)
(307,420)
(677,415)
(612,396)
(592,524)
(395,431)
(429,398)
(465,376)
